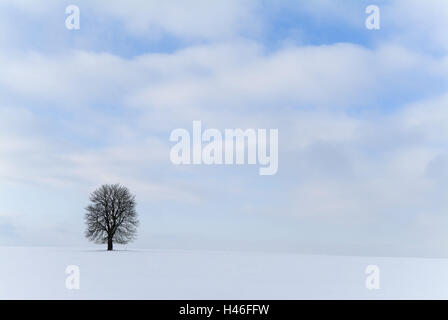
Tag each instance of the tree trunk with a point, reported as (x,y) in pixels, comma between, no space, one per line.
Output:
(110,245)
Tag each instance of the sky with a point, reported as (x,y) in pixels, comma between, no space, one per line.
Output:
(361,114)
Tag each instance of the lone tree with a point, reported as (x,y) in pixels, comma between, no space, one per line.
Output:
(111,216)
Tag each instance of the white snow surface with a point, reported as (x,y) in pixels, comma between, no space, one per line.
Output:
(39,273)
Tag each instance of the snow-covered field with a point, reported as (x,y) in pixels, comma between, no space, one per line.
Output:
(40,273)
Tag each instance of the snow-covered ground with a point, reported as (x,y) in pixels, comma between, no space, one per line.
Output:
(40,273)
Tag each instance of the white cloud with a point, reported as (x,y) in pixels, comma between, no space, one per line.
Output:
(197,19)
(293,76)
(428,118)
(418,22)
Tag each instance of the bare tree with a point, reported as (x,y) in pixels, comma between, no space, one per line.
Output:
(111,216)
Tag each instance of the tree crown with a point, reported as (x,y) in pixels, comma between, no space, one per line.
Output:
(111,215)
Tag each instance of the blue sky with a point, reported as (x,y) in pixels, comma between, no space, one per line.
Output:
(361,116)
